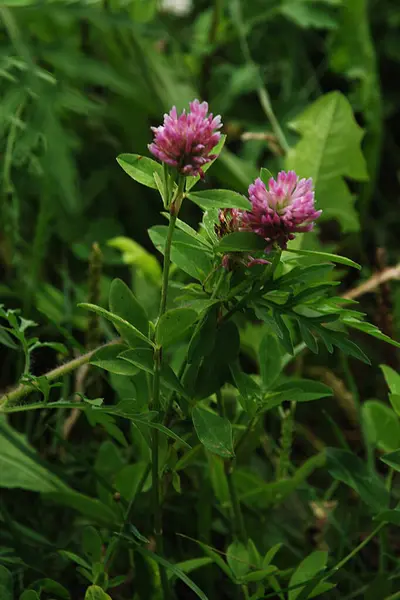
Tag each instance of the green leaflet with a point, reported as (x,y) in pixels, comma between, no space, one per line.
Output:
(329,151)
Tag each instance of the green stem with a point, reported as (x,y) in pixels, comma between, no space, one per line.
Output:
(238,527)
(238,522)
(155,403)
(262,91)
(357,549)
(24,389)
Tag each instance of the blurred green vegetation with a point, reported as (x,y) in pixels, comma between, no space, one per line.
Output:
(83,81)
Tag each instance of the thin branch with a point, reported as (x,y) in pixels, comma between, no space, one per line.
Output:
(373,282)
(24,389)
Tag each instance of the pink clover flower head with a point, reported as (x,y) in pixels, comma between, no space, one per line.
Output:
(282,210)
(185,141)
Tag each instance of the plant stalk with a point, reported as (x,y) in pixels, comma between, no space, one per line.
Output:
(24,389)
(155,403)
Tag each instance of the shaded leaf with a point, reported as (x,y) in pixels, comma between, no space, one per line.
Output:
(214,432)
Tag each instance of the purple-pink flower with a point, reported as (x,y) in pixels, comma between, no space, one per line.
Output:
(185,141)
(282,210)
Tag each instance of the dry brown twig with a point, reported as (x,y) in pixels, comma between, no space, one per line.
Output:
(391,273)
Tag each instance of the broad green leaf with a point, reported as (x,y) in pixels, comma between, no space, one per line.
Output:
(395,402)
(140,168)
(260,574)
(219,199)
(304,390)
(26,595)
(392,379)
(20,467)
(198,238)
(214,432)
(307,569)
(389,516)
(107,359)
(128,478)
(352,53)
(202,341)
(143,358)
(309,13)
(270,555)
(128,329)
(6,584)
(237,557)
(218,478)
(249,390)
(187,566)
(143,11)
(92,543)
(347,467)
(92,508)
(135,255)
(124,409)
(186,252)
(75,558)
(49,586)
(270,360)
(392,459)
(124,304)
(241,241)
(191,181)
(94,592)
(328,152)
(343,260)
(256,493)
(174,325)
(382,425)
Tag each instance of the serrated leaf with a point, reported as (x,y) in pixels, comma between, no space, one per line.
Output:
(214,432)
(219,199)
(140,168)
(328,152)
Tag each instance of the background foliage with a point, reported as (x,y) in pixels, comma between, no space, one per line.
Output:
(82,82)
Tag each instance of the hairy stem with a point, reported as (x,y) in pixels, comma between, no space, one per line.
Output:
(24,389)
